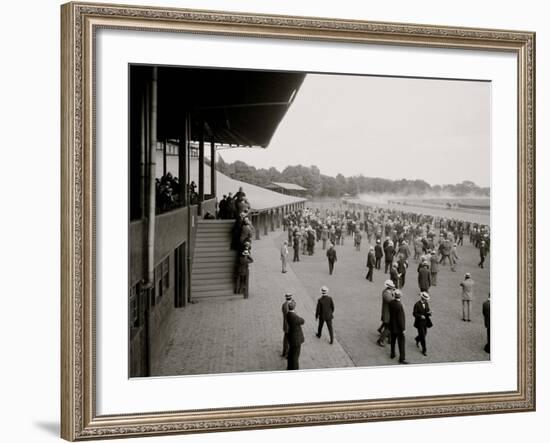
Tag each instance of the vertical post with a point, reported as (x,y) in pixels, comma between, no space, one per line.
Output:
(164,157)
(143,152)
(201,165)
(182,162)
(213,178)
(257,226)
(272,220)
(265,222)
(151,213)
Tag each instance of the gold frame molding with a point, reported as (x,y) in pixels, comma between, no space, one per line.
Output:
(79,21)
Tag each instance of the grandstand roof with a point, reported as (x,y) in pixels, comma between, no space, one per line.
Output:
(289,186)
(260,199)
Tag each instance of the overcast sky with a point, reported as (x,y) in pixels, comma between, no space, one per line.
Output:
(434,130)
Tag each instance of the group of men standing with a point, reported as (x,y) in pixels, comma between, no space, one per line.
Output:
(293,337)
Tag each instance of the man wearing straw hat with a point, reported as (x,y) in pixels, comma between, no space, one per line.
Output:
(325,313)
(422,320)
(387,297)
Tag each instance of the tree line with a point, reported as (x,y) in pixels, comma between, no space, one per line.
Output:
(321,185)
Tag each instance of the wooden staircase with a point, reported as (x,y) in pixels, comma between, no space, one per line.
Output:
(213,261)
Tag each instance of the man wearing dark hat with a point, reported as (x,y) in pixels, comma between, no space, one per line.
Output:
(284,308)
(424,277)
(331,255)
(387,297)
(378,253)
(434,268)
(295,336)
(422,320)
(325,313)
(397,326)
(242,273)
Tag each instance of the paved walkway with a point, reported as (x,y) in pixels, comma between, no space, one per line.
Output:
(238,335)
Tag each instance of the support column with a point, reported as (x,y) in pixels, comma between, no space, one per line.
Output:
(201,165)
(164,157)
(265,223)
(256,224)
(272,220)
(213,178)
(277,218)
(182,162)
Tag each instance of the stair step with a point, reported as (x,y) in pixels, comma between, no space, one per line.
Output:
(205,251)
(211,287)
(217,295)
(202,279)
(209,239)
(217,259)
(213,271)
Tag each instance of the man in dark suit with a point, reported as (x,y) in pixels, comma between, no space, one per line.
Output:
(387,297)
(378,253)
(295,336)
(487,319)
(284,308)
(389,252)
(325,313)
(424,278)
(397,326)
(331,255)
(371,263)
(422,320)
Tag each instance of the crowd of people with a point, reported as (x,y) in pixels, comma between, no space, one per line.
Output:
(399,238)
(237,207)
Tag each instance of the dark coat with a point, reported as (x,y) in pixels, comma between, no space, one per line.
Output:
(424,279)
(284,308)
(244,260)
(389,252)
(378,253)
(371,261)
(487,313)
(397,317)
(331,254)
(387,297)
(394,276)
(325,308)
(295,333)
(419,311)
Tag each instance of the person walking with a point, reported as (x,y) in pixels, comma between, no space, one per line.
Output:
(467,295)
(402,266)
(284,256)
(284,308)
(324,236)
(387,297)
(325,313)
(378,254)
(394,275)
(357,239)
(487,320)
(371,262)
(454,258)
(331,255)
(397,326)
(482,253)
(424,277)
(422,320)
(296,247)
(389,253)
(434,268)
(295,336)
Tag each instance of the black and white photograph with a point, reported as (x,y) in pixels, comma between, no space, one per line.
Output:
(296,221)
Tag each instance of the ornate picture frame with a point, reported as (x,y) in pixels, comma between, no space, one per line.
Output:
(80,22)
